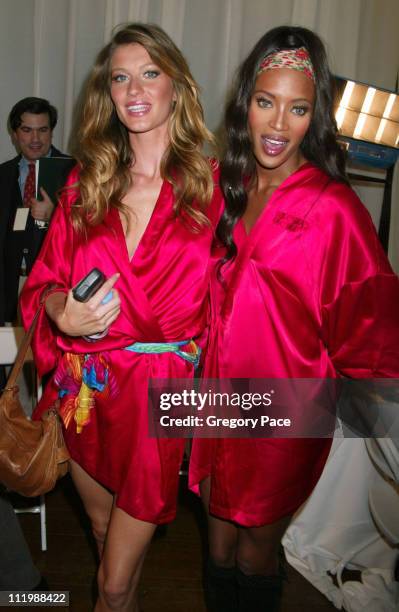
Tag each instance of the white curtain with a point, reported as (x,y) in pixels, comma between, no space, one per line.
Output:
(48,46)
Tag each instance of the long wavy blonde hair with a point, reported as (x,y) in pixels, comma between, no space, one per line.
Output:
(105,155)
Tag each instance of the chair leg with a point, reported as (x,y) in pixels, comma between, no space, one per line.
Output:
(43,526)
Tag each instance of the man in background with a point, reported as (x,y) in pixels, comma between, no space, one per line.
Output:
(31,123)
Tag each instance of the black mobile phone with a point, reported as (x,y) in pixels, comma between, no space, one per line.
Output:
(89,285)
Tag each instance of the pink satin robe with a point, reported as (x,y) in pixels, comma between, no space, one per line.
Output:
(164,296)
(310,295)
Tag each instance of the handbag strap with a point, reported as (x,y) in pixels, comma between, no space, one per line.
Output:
(23,349)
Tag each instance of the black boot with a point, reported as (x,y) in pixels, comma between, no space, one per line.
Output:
(259,593)
(220,588)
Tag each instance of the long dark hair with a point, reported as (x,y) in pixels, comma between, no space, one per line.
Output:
(319,145)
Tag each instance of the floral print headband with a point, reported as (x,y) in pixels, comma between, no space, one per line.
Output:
(296,59)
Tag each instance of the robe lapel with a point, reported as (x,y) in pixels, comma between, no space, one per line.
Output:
(280,213)
(138,308)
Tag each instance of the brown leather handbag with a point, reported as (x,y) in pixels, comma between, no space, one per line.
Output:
(33,454)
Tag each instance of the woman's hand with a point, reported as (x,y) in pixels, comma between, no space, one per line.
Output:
(84,318)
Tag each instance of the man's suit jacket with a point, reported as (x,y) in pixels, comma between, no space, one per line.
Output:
(15,245)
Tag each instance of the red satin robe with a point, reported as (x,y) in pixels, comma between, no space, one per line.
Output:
(164,298)
(309,295)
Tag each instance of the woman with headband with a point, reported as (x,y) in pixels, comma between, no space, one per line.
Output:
(302,290)
(142,206)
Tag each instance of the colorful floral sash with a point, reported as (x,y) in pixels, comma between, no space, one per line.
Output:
(82,378)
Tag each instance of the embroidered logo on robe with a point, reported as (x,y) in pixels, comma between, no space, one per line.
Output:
(82,378)
(289,222)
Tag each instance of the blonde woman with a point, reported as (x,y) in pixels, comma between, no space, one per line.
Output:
(141,206)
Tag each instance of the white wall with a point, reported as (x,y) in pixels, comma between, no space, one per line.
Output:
(48,46)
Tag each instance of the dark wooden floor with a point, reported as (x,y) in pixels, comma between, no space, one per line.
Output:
(171,580)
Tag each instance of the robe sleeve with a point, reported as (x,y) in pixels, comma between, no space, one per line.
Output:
(51,272)
(359,293)
(214,214)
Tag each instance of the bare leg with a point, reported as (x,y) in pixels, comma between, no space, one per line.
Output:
(122,543)
(126,544)
(97,501)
